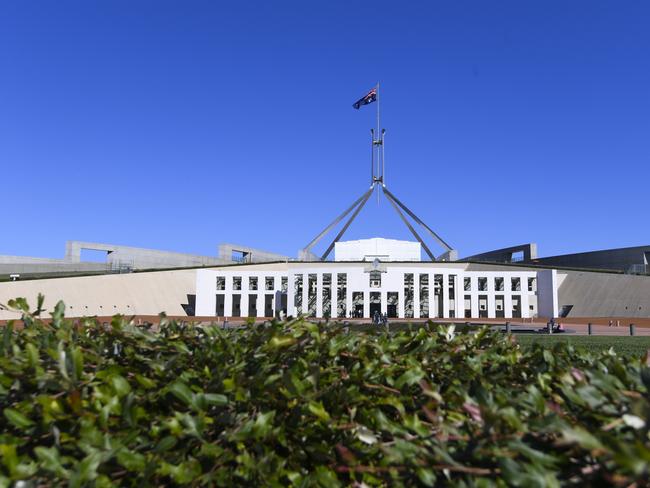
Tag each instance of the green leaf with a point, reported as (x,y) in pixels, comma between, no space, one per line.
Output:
(580,436)
(319,411)
(216,399)
(182,392)
(50,460)
(17,418)
(120,385)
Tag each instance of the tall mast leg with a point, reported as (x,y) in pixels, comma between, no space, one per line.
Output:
(408,224)
(347,224)
(315,240)
(417,219)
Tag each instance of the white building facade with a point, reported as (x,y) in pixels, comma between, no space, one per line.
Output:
(359,289)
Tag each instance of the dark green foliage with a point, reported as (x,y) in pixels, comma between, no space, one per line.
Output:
(636,346)
(311,405)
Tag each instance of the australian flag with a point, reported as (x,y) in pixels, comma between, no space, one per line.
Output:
(369,98)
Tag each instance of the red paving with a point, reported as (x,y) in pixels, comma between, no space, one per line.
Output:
(576,325)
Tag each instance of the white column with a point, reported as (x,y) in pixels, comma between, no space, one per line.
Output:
(261,299)
(416,295)
(305,294)
(227,302)
(445,295)
(348,297)
(291,294)
(384,302)
(507,301)
(491,296)
(244,297)
(525,304)
(460,297)
(474,292)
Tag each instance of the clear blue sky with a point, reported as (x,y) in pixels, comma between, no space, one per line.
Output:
(179,125)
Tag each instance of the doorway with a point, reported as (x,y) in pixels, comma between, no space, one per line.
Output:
(392,299)
(375,303)
(221,301)
(252,305)
(268,305)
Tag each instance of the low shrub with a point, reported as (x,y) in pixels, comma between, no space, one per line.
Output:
(307,404)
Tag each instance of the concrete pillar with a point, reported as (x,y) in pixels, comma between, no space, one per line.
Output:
(261,300)
(525,305)
(445,295)
(244,298)
(291,294)
(305,294)
(384,302)
(227,303)
(366,304)
(460,297)
(475,294)
(507,302)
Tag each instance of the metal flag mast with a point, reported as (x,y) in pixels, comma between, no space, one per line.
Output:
(378,182)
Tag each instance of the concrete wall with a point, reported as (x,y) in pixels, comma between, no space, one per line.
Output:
(138,258)
(147,293)
(594,294)
(546,292)
(252,255)
(505,255)
(382,249)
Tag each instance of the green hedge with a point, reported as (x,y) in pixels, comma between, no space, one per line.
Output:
(309,404)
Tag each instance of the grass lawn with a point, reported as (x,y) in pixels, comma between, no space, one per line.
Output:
(623,345)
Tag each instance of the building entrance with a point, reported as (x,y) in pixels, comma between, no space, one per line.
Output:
(375,303)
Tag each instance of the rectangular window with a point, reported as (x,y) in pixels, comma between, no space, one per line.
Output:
(499,307)
(452,296)
(408,295)
(221,282)
(252,283)
(341,294)
(311,294)
(498,284)
(327,295)
(357,304)
(467,284)
(285,284)
(482,284)
(516,307)
(532,284)
(482,306)
(468,306)
(424,296)
(269,283)
(392,303)
(236,282)
(515,284)
(297,297)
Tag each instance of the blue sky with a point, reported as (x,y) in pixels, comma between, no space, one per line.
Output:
(179,125)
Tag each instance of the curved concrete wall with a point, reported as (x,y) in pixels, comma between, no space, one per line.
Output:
(146,293)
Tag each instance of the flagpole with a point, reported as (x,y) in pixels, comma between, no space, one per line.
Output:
(378,140)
